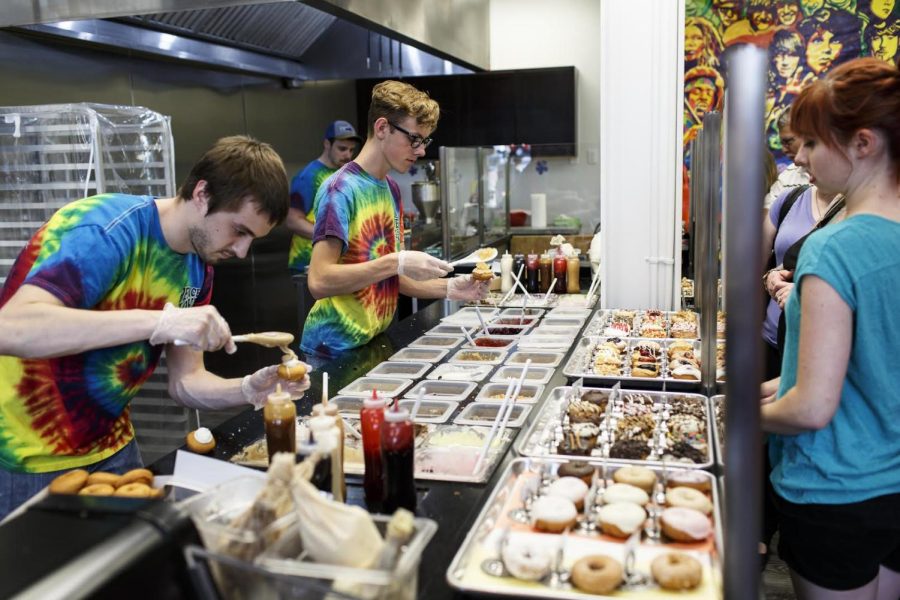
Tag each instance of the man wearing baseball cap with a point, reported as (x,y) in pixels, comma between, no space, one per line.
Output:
(338,147)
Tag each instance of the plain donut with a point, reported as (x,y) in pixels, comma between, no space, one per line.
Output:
(676,571)
(69,482)
(597,574)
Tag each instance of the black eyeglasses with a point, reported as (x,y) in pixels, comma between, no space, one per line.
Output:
(415,140)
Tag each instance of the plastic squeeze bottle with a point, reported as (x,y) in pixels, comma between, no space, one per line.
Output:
(280,417)
(331,410)
(397,455)
(506,265)
(371,419)
(327,437)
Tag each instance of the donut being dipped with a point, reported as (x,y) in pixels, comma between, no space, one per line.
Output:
(291,369)
(482,272)
(201,441)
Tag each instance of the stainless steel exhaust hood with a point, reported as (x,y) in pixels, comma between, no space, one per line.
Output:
(279,38)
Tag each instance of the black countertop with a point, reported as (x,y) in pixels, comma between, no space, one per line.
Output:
(454,506)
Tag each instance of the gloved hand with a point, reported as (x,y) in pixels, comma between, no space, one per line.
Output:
(464,287)
(421,266)
(201,327)
(256,387)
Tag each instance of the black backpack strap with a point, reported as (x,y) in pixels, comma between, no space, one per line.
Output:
(789,201)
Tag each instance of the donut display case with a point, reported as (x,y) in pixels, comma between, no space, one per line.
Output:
(666,363)
(638,427)
(564,529)
(718,432)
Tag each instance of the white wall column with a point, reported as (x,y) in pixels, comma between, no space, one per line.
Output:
(641,97)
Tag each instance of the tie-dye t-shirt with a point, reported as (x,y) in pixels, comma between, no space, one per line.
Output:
(304,186)
(101,253)
(366,215)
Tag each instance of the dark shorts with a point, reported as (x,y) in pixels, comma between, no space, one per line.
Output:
(840,546)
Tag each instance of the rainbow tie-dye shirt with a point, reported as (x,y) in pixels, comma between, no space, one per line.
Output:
(101,253)
(304,186)
(366,215)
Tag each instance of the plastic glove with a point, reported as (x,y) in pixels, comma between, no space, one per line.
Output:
(256,387)
(201,327)
(421,266)
(464,287)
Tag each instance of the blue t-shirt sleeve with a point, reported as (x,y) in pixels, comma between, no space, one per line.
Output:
(333,215)
(823,256)
(82,270)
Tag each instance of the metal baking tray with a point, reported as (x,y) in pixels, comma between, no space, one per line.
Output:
(387,387)
(453,391)
(581,364)
(398,368)
(535,374)
(485,413)
(437,341)
(494,522)
(488,357)
(597,325)
(431,355)
(546,427)
(431,411)
(529,394)
(538,358)
(460,372)
(717,416)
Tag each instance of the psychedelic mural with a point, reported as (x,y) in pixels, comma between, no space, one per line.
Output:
(804,38)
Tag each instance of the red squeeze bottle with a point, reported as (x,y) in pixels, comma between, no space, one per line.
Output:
(397,453)
(371,420)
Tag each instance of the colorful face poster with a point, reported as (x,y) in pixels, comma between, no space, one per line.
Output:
(804,40)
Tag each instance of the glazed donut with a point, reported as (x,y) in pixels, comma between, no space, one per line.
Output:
(688,498)
(97,489)
(103,477)
(689,478)
(621,519)
(134,490)
(676,571)
(596,574)
(686,372)
(685,524)
(570,488)
(553,513)
(645,371)
(577,468)
(640,477)
(201,441)
(527,561)
(136,476)
(624,492)
(69,482)
(292,370)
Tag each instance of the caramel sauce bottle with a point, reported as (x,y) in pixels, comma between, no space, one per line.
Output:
(280,416)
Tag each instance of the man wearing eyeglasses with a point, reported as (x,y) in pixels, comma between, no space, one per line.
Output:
(358,266)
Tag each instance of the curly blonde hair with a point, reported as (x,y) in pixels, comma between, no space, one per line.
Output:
(395,100)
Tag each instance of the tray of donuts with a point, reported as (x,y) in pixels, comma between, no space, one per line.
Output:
(575,529)
(137,483)
(638,427)
(655,324)
(642,362)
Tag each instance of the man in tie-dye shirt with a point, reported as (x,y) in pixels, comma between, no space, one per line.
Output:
(97,294)
(340,142)
(358,265)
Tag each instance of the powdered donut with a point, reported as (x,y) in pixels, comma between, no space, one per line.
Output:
(621,519)
(688,498)
(685,524)
(527,561)
(596,574)
(640,477)
(676,571)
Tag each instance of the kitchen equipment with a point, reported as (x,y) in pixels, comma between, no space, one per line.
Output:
(426,196)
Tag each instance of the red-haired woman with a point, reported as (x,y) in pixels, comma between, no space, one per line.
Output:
(836,420)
